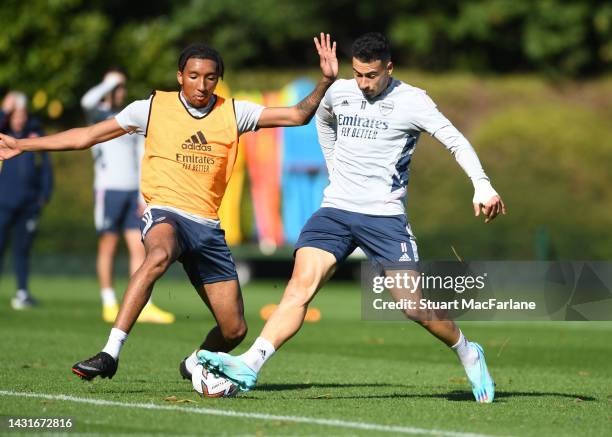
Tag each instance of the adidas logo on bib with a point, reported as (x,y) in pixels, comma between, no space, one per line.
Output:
(196,142)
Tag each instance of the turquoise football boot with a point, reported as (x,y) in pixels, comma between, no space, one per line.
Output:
(231,367)
(483,386)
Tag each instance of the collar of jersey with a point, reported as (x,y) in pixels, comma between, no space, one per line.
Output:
(197,112)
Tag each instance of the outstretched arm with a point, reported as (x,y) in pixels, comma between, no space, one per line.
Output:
(73,139)
(486,199)
(301,113)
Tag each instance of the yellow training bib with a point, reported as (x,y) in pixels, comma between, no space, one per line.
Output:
(188,161)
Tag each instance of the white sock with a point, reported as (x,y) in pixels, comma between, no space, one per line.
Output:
(108,296)
(115,341)
(258,354)
(22,294)
(192,361)
(467,355)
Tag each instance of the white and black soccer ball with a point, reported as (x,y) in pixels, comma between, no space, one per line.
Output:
(211,386)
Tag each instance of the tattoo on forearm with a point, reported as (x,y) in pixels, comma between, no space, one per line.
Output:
(310,103)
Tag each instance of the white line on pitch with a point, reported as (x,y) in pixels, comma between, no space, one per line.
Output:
(260,416)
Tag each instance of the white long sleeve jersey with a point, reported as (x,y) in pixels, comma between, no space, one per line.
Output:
(368,145)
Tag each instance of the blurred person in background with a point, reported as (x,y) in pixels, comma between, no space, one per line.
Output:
(25,188)
(118,205)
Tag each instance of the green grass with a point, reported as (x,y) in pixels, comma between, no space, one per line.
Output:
(552,378)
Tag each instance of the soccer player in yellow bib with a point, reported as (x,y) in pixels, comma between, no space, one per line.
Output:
(190,150)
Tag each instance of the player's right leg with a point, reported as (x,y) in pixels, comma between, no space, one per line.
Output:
(129,222)
(324,241)
(312,268)
(151,312)
(162,249)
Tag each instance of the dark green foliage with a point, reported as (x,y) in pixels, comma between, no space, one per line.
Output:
(64,46)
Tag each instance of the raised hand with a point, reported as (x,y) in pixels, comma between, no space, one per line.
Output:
(8,147)
(327,55)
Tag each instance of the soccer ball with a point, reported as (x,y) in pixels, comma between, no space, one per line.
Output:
(211,386)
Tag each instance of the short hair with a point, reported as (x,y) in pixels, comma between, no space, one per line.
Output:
(201,51)
(371,46)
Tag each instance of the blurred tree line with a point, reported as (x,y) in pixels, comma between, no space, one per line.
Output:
(547,148)
(61,47)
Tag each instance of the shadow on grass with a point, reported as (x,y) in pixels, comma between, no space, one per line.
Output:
(502,395)
(455,395)
(283,387)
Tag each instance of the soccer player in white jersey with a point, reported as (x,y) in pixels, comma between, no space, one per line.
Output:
(368,128)
(118,205)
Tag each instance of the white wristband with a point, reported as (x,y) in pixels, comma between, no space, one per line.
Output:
(483,191)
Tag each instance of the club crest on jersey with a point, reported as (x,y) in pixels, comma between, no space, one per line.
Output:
(386,108)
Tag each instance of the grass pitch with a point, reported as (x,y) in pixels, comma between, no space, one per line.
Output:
(340,376)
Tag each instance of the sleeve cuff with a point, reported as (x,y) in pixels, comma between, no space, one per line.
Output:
(483,191)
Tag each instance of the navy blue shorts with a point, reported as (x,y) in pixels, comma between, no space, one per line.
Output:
(115,211)
(203,250)
(386,240)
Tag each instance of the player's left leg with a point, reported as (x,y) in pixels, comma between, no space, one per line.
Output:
(471,355)
(211,270)
(388,240)
(25,229)
(224,299)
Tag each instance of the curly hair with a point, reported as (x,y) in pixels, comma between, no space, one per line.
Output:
(372,46)
(201,51)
